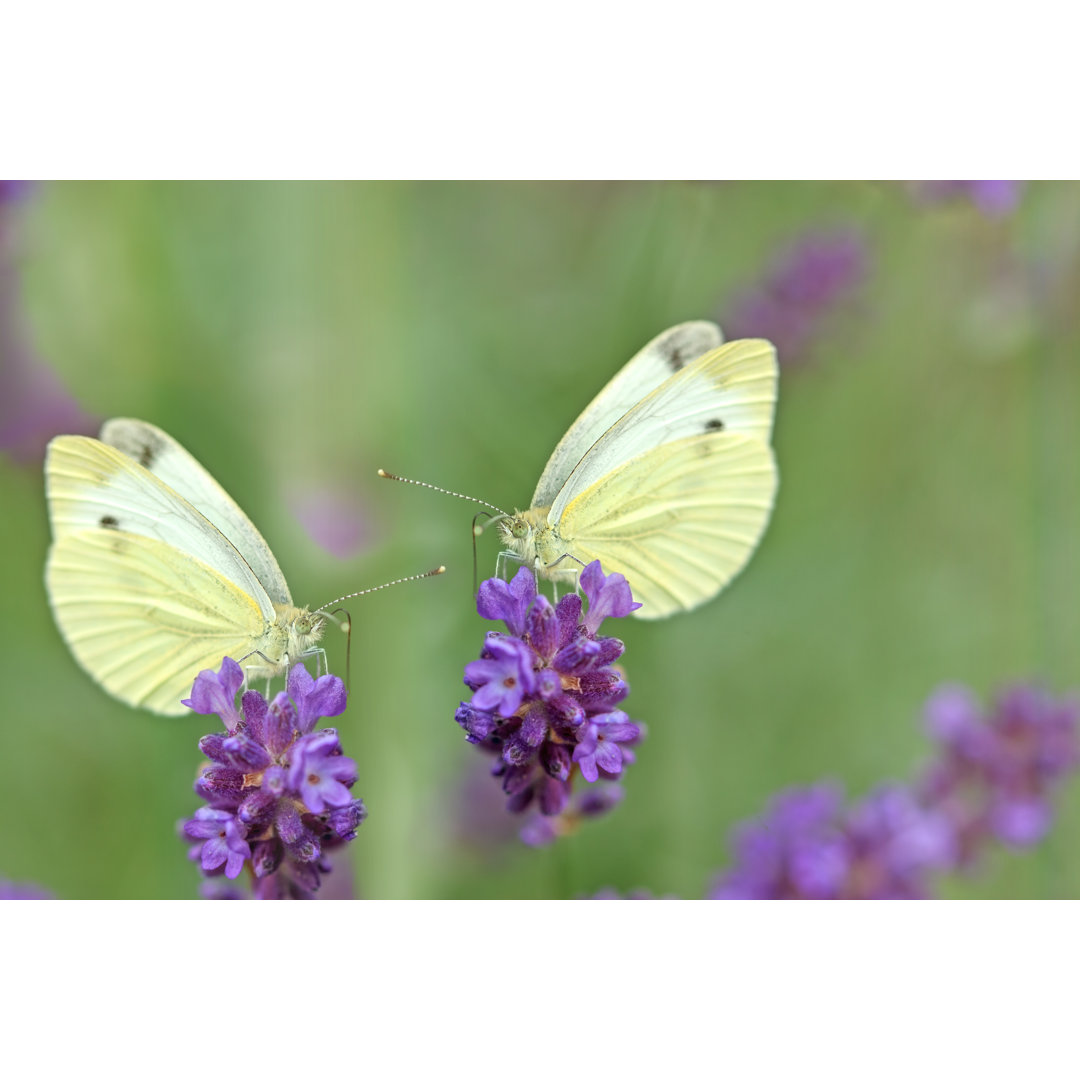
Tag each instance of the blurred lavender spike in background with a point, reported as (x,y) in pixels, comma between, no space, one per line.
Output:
(808,282)
(34,405)
(808,846)
(13,190)
(992,781)
(333,517)
(13,890)
(994,198)
(997,770)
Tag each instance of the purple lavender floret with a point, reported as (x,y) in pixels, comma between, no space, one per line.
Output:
(807,283)
(277,791)
(998,770)
(545,698)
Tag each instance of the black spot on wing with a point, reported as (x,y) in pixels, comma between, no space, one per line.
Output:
(107,521)
(148,453)
(714,425)
(143,447)
(678,355)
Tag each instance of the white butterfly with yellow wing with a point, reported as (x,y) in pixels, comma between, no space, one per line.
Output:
(155,573)
(667,477)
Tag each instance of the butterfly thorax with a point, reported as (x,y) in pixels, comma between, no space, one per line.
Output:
(292,636)
(536,541)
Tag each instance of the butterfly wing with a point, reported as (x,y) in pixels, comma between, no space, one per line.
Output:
(161,455)
(143,617)
(90,485)
(663,357)
(679,521)
(729,389)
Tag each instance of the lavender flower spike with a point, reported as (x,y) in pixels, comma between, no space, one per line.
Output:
(545,698)
(994,779)
(278,792)
(807,846)
(998,769)
(808,283)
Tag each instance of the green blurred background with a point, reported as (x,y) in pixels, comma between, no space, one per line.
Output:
(296,336)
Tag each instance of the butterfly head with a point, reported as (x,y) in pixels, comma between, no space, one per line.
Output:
(518,534)
(305,630)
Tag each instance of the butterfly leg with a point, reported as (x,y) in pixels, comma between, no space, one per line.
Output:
(556,576)
(268,669)
(503,563)
(322,667)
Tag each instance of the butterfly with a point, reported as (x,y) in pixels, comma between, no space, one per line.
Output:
(667,477)
(155,573)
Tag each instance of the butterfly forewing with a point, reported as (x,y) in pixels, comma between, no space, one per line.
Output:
(94,486)
(664,356)
(730,390)
(161,455)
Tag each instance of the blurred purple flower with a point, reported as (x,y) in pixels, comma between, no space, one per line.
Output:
(994,198)
(808,282)
(334,518)
(590,802)
(13,890)
(14,190)
(277,791)
(807,846)
(545,696)
(478,820)
(993,780)
(34,405)
(895,845)
(998,770)
(795,851)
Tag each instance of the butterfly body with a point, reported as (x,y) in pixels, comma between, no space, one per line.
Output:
(536,541)
(667,476)
(155,573)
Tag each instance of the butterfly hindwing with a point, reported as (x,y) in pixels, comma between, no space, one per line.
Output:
(142,617)
(679,521)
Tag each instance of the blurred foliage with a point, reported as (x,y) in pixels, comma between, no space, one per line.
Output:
(302,335)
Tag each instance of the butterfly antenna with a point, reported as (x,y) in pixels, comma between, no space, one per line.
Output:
(386,585)
(348,650)
(478,530)
(446,491)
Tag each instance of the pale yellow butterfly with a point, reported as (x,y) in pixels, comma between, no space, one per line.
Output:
(667,477)
(155,573)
